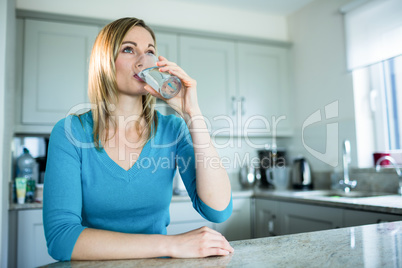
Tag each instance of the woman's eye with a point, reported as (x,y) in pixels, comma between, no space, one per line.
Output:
(151,52)
(128,50)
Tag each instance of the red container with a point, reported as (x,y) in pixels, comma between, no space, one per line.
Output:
(377,156)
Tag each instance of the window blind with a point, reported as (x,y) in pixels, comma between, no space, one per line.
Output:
(373,31)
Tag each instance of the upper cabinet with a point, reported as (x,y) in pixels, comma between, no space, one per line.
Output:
(213,64)
(242,86)
(166,44)
(55,70)
(263,89)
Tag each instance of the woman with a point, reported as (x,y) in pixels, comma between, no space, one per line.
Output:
(108,185)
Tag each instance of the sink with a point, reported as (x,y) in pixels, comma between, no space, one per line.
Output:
(352,194)
(339,194)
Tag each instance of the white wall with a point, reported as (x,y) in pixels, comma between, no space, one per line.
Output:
(7,71)
(3,20)
(320,78)
(171,13)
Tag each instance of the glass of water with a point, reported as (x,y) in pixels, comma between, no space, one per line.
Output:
(164,83)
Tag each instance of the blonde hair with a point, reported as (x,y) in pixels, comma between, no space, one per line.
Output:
(102,85)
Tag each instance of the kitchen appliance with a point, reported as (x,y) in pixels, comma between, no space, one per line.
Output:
(268,159)
(279,177)
(301,174)
(247,176)
(178,186)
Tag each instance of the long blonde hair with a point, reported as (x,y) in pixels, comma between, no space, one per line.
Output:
(102,85)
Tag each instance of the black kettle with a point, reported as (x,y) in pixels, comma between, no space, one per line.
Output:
(301,174)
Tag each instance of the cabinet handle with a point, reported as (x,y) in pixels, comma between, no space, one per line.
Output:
(271,226)
(243,109)
(234,110)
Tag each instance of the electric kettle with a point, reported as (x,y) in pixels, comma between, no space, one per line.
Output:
(301,174)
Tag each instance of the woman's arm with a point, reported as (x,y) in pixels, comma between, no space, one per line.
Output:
(95,244)
(212,183)
(68,239)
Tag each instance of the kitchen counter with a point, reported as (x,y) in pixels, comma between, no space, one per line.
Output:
(383,204)
(391,203)
(377,245)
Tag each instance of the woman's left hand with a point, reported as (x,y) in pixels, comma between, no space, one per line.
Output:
(185,102)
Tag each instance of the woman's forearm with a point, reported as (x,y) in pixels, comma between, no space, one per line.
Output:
(94,244)
(213,185)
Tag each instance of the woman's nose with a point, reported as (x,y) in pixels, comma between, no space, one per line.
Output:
(146,60)
(140,62)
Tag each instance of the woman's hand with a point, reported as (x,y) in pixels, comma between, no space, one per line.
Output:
(198,243)
(185,102)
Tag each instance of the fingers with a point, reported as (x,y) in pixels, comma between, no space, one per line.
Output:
(171,67)
(213,242)
(201,242)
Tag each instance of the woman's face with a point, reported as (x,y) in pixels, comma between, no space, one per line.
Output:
(130,61)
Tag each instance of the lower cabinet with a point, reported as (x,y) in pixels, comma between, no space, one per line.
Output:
(238,226)
(273,217)
(356,217)
(266,220)
(31,242)
(299,218)
(184,218)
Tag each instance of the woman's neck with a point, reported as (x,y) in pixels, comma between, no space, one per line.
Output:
(128,112)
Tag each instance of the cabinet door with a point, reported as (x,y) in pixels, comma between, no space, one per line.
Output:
(299,218)
(266,219)
(56,57)
(356,218)
(167,45)
(32,249)
(212,63)
(263,75)
(238,226)
(184,218)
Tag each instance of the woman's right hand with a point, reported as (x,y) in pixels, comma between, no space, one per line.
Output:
(198,243)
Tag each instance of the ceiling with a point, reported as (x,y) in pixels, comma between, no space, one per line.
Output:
(273,7)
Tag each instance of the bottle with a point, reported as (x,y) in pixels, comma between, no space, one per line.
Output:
(26,164)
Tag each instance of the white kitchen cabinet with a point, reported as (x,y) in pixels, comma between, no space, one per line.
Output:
(356,217)
(263,89)
(242,88)
(31,242)
(213,64)
(266,218)
(184,218)
(55,70)
(166,44)
(238,226)
(298,218)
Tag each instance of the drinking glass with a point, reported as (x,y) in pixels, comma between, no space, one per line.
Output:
(164,83)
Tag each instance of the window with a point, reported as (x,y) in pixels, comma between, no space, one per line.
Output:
(373,32)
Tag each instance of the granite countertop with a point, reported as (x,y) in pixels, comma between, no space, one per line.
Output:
(376,245)
(390,203)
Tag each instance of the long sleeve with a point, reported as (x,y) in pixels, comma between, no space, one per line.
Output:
(62,201)
(187,168)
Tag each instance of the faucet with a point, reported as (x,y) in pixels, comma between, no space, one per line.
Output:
(346,183)
(397,169)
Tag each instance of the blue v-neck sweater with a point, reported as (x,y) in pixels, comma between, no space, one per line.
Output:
(85,188)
